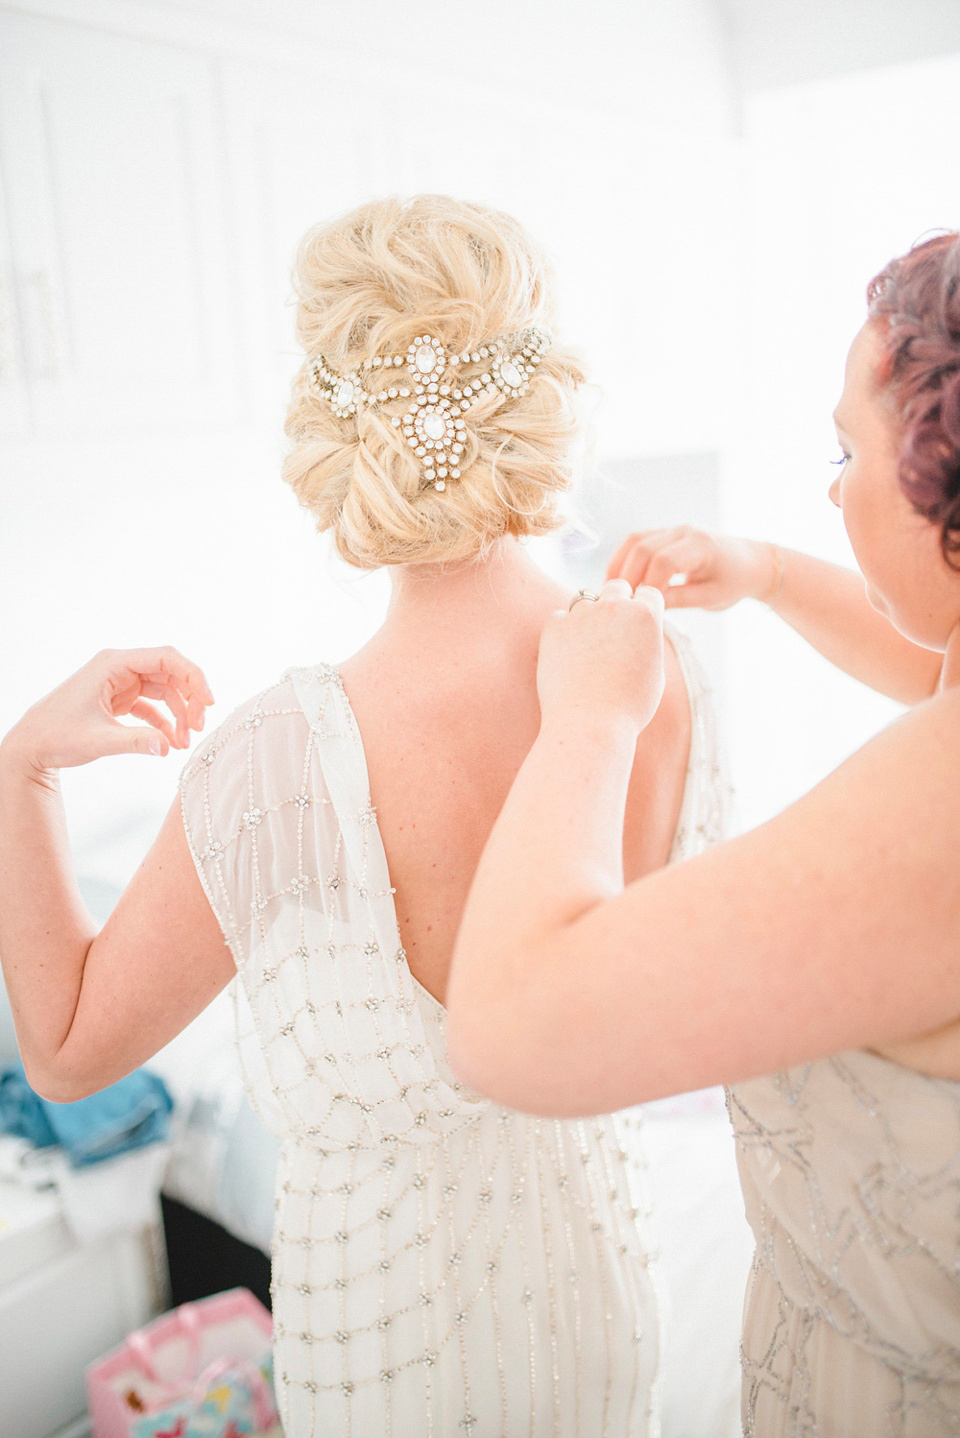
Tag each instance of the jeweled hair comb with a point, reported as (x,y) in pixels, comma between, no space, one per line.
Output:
(433,426)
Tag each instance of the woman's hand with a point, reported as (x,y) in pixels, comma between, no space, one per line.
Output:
(79,720)
(696,570)
(604,658)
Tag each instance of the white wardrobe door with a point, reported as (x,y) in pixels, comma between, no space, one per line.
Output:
(111,153)
(304,145)
(13,390)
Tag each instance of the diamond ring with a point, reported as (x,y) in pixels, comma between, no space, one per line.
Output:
(583,594)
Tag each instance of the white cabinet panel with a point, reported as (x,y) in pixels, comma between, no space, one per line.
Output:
(301,149)
(110,151)
(13,393)
(66,1311)
(640,223)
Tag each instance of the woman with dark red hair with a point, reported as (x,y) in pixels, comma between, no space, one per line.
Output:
(823,948)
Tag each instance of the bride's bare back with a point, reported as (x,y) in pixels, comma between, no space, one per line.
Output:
(445,697)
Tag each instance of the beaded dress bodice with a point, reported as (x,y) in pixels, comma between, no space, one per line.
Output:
(851,1175)
(440,1265)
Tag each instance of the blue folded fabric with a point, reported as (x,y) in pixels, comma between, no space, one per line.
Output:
(126,1115)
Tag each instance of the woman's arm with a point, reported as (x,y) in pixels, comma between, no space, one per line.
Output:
(90,1007)
(823,602)
(835,925)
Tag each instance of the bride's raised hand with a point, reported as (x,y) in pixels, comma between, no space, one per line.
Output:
(696,570)
(603,659)
(80,720)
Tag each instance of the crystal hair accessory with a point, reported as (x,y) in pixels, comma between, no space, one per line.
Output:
(433,426)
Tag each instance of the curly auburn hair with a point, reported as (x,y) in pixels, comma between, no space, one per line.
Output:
(917,296)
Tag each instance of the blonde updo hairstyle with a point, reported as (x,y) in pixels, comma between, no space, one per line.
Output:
(369,283)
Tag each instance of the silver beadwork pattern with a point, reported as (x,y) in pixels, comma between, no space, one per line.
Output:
(851,1175)
(433,425)
(440,1265)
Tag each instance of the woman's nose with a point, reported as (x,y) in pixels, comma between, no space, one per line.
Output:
(834,492)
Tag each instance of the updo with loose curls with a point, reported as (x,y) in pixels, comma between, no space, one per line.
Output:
(918,297)
(368,284)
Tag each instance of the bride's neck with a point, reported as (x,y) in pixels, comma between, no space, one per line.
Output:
(492,593)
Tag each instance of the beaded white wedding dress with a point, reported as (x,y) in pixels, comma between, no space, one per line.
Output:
(440,1265)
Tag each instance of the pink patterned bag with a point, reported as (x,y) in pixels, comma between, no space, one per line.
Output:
(204,1367)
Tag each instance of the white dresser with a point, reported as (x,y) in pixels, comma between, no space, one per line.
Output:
(63,1303)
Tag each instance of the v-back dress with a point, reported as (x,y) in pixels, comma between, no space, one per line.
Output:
(440,1265)
(850,1169)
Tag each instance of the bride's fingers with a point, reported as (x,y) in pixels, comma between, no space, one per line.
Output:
(125,701)
(117,738)
(166,664)
(196,703)
(193,700)
(161,674)
(175,702)
(155,717)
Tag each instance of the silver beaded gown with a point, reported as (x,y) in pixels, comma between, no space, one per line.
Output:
(850,1169)
(440,1265)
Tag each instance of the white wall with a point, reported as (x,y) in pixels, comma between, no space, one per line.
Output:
(158,163)
(843,174)
(778,42)
(663,62)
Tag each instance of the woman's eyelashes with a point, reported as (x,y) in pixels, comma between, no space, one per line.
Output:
(844,459)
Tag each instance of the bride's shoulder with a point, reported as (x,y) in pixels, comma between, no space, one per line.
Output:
(270,718)
(931,729)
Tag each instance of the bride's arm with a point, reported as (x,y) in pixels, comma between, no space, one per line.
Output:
(89,1007)
(823,602)
(833,926)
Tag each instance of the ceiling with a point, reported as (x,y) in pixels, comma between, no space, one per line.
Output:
(783,42)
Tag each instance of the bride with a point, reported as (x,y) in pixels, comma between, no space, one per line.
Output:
(441,1265)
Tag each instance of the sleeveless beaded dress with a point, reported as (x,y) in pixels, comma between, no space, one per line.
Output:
(440,1265)
(851,1174)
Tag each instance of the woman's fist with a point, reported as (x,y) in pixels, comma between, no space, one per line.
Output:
(604,658)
